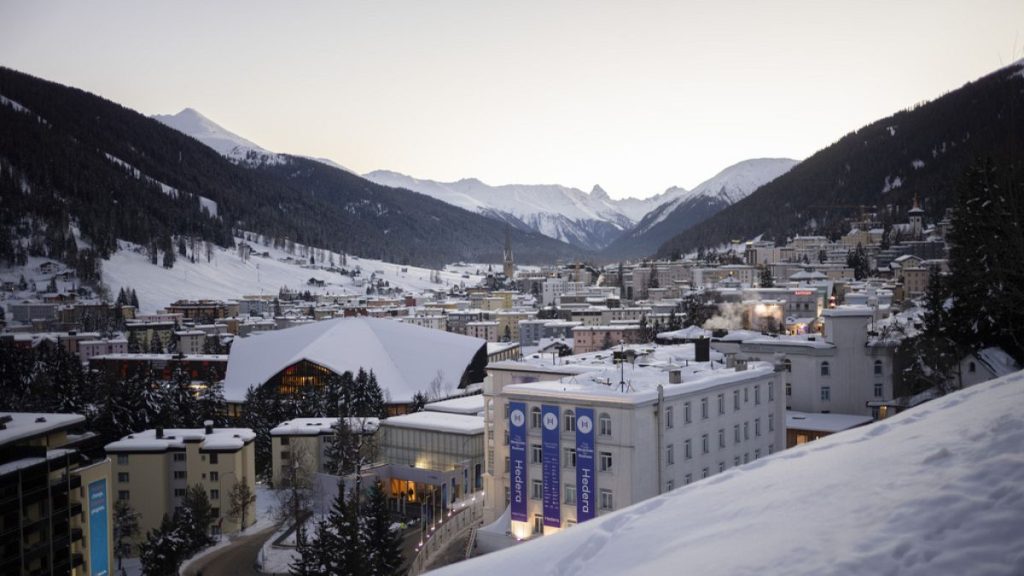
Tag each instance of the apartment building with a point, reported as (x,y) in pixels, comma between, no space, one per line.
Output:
(152,469)
(55,508)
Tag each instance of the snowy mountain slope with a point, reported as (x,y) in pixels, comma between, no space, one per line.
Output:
(227,276)
(684,209)
(589,220)
(227,143)
(938,489)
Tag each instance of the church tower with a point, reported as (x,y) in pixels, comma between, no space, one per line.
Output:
(915,218)
(510,265)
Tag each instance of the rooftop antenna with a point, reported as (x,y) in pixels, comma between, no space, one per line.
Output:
(622,365)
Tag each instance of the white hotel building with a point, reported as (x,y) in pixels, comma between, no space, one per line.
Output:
(677,421)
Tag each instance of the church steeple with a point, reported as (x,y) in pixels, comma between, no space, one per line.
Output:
(510,265)
(915,218)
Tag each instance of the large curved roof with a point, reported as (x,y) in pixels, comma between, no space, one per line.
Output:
(404,357)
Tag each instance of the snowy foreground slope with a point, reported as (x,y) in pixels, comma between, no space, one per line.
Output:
(227,276)
(938,489)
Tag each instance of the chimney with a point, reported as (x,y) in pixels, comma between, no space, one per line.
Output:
(208,424)
(702,349)
(741,365)
(159,432)
(675,376)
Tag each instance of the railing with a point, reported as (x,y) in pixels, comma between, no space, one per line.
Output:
(465,515)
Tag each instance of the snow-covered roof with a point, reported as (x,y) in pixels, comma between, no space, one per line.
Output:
(997,360)
(816,342)
(219,440)
(688,333)
(318,426)
(848,310)
(817,422)
(29,424)
(471,405)
(937,489)
(404,357)
(438,422)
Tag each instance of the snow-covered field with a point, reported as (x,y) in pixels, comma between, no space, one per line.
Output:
(229,276)
(938,489)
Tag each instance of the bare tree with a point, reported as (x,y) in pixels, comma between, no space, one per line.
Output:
(241,497)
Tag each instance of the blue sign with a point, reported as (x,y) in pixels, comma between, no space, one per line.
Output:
(517,459)
(98,555)
(584,464)
(550,456)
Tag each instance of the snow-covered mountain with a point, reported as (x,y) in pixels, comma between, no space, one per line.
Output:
(590,220)
(683,209)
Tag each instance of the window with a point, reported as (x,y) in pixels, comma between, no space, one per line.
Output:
(757,426)
(122,459)
(826,393)
(687,479)
(878,367)
(686,413)
(669,486)
(214,459)
(506,437)
(214,476)
(538,523)
(721,466)
(506,464)
(824,369)
(736,461)
(757,453)
(757,394)
(536,455)
(179,456)
(534,417)
(122,477)
(569,494)
(669,419)
(721,437)
(179,492)
(123,495)
(771,391)
(746,430)
(569,421)
(670,455)
(735,399)
(606,461)
(284,440)
(537,490)
(687,449)
(704,473)
(736,434)
(285,455)
(746,457)
(787,365)
(771,422)
(704,408)
(214,494)
(607,503)
(705,444)
(971,368)
(789,389)
(179,475)
(569,457)
(605,425)
(721,403)
(878,390)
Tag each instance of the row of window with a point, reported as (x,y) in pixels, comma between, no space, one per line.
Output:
(124,477)
(670,456)
(826,391)
(704,410)
(606,499)
(122,459)
(669,485)
(604,421)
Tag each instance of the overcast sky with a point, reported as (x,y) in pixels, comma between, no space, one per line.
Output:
(636,96)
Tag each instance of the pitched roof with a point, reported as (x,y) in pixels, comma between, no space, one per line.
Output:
(404,357)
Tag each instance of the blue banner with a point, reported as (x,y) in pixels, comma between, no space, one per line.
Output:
(550,454)
(517,460)
(584,464)
(98,557)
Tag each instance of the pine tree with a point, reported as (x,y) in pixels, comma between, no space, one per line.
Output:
(211,403)
(767,280)
(163,550)
(382,544)
(419,400)
(181,404)
(135,299)
(126,527)
(194,518)
(312,551)
(133,343)
(342,450)
(346,555)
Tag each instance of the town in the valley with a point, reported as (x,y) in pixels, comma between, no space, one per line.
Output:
(469,416)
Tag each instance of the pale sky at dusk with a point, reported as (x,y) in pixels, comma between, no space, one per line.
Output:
(635,96)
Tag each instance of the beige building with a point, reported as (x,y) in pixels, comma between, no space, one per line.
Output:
(152,469)
(304,442)
(485,330)
(592,338)
(55,506)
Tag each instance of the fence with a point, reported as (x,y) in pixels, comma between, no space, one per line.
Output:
(465,515)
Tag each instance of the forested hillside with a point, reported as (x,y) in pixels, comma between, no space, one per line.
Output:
(70,160)
(921,151)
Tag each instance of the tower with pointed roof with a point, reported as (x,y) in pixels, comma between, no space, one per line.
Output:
(509,261)
(915,217)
